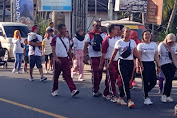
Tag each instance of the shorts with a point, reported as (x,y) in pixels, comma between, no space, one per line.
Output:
(35,60)
(26,59)
(50,57)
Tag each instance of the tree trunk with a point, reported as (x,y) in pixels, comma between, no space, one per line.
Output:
(170,22)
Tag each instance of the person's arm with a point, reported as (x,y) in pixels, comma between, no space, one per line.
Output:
(43,47)
(85,51)
(156,58)
(138,56)
(70,54)
(14,41)
(174,57)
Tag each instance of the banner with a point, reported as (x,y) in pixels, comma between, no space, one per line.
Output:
(55,5)
(24,12)
(131,5)
(154,12)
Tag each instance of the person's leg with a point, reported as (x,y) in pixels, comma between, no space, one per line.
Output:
(75,64)
(32,63)
(126,69)
(20,61)
(169,71)
(113,77)
(67,74)
(46,61)
(107,80)
(161,79)
(16,60)
(50,61)
(96,73)
(152,76)
(81,65)
(39,65)
(56,73)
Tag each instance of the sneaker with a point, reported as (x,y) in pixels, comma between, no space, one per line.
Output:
(80,79)
(131,104)
(19,72)
(114,99)
(43,78)
(147,101)
(108,97)
(169,99)
(121,102)
(97,94)
(55,93)
(160,91)
(164,98)
(14,70)
(31,79)
(74,93)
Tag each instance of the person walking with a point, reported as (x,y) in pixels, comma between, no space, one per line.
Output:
(111,72)
(62,54)
(47,49)
(126,48)
(79,54)
(148,53)
(93,42)
(168,62)
(35,43)
(18,51)
(26,58)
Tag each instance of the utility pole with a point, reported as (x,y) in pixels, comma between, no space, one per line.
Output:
(4,12)
(170,22)
(110,10)
(95,9)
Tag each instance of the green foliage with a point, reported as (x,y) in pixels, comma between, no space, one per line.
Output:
(42,24)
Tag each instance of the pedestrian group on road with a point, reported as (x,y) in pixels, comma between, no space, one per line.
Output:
(120,52)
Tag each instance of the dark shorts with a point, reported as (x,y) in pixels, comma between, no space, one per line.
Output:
(47,57)
(35,60)
(26,59)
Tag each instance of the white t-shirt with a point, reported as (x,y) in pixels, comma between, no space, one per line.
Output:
(60,48)
(50,28)
(37,51)
(17,45)
(91,52)
(121,45)
(78,45)
(163,52)
(147,50)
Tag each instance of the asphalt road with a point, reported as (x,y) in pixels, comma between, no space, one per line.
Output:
(20,98)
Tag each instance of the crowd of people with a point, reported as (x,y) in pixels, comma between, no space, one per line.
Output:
(119,51)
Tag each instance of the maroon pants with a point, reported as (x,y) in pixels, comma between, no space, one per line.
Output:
(64,66)
(96,73)
(111,78)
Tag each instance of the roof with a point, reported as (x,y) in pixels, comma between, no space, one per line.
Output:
(102,5)
(125,21)
(11,23)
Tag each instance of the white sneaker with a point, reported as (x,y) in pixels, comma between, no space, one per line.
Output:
(164,98)
(55,93)
(74,93)
(14,70)
(43,78)
(108,97)
(169,99)
(147,101)
(19,72)
(121,102)
(114,99)
(80,79)
(131,104)
(31,79)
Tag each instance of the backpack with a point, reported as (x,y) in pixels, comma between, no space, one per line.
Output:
(97,41)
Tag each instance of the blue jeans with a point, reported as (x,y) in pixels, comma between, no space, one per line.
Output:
(18,60)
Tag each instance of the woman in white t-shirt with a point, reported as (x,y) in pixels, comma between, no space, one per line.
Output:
(18,51)
(126,48)
(78,54)
(148,53)
(168,58)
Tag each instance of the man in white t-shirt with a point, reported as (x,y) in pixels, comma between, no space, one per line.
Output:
(62,56)
(93,42)
(35,42)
